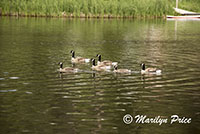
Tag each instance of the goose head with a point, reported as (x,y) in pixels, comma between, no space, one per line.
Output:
(61,64)
(99,57)
(143,66)
(93,61)
(73,53)
(115,67)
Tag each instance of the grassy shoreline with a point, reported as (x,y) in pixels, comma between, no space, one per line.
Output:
(94,8)
(86,17)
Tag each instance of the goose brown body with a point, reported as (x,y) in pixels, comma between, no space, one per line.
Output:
(149,70)
(99,67)
(78,59)
(105,62)
(116,70)
(67,69)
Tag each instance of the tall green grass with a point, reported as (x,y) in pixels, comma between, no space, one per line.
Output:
(93,8)
(191,5)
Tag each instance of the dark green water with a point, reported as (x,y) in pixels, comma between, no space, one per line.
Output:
(35,98)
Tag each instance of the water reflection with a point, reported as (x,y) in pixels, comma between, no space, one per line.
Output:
(36,98)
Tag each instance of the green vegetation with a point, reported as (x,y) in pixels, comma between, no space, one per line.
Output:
(191,5)
(94,8)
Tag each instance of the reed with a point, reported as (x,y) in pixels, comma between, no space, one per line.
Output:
(94,8)
(191,5)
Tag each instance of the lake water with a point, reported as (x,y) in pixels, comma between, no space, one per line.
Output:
(35,98)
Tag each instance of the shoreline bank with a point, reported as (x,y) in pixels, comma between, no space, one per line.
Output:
(85,17)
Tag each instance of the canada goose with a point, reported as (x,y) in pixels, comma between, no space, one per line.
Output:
(105,62)
(99,67)
(78,59)
(149,70)
(116,70)
(67,69)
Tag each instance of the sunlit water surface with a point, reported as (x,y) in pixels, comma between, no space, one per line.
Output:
(35,98)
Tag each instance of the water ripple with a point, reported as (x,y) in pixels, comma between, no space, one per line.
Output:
(10,90)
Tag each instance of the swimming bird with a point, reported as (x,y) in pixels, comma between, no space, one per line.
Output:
(67,69)
(116,70)
(149,70)
(105,62)
(99,67)
(78,59)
